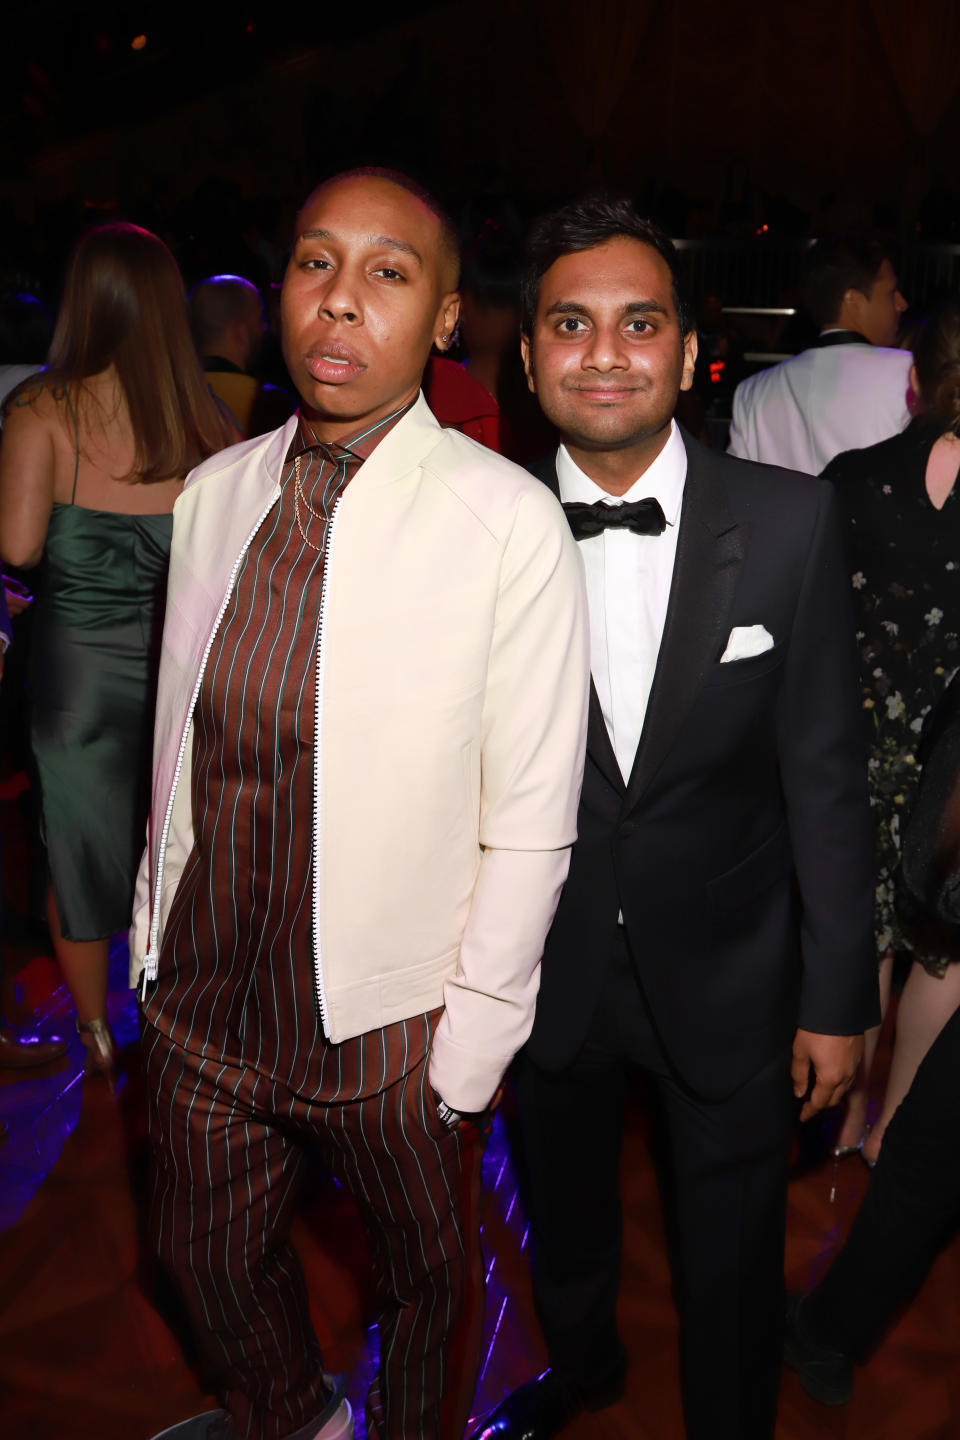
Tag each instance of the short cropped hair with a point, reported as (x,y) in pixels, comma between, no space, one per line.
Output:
(217,303)
(449,238)
(493,260)
(582,225)
(836,264)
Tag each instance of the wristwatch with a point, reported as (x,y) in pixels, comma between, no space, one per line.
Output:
(448,1116)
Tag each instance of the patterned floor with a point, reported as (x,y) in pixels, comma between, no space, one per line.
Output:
(91,1343)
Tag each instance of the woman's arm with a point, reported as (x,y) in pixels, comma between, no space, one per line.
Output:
(26,481)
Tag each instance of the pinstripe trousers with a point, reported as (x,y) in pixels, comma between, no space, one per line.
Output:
(227,1145)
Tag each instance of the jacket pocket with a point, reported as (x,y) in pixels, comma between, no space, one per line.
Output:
(418,987)
(734,672)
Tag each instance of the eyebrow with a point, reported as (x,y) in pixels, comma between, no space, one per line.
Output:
(636,307)
(384,242)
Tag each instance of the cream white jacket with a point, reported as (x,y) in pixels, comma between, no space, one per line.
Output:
(452,683)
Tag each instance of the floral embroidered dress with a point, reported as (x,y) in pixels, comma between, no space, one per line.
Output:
(904,558)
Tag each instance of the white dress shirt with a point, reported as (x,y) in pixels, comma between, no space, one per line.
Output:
(628,586)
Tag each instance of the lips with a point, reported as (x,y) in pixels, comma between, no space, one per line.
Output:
(333,363)
(603,394)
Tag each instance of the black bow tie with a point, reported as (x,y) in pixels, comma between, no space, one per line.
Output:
(643,517)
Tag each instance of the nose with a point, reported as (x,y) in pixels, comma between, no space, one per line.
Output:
(339,300)
(605,352)
(900,303)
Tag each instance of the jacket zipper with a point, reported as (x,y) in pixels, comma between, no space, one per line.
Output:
(317,753)
(152,958)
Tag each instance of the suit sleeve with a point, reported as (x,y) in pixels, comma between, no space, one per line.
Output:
(737,444)
(532,756)
(824,775)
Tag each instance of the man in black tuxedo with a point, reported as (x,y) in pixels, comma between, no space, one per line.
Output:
(716,926)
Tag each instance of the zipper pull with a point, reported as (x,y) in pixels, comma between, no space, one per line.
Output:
(148,975)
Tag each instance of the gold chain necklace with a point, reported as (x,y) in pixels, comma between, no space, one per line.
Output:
(298,495)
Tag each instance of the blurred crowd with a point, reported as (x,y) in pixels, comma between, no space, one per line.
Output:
(120,377)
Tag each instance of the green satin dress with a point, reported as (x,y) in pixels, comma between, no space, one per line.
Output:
(99,614)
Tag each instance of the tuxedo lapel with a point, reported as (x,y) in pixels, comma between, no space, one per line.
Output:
(599,747)
(710,550)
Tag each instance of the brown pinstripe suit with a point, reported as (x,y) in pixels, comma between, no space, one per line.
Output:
(240,1072)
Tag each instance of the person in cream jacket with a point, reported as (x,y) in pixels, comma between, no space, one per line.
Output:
(369,743)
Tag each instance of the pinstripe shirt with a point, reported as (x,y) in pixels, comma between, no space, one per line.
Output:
(236,976)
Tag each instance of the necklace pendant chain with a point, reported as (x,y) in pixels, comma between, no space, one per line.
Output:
(298,495)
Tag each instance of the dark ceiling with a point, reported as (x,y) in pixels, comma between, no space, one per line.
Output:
(72,67)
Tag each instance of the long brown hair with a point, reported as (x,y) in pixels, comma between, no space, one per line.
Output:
(124,304)
(936,354)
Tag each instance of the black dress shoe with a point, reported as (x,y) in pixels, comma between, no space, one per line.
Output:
(826,1375)
(546,1406)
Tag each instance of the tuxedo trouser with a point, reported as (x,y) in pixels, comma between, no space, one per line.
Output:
(227,1149)
(911,1207)
(726,1214)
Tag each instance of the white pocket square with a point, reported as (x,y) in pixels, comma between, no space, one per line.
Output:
(747,640)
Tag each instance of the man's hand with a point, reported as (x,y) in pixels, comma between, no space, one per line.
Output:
(833,1060)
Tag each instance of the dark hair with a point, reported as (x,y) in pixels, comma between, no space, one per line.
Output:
(124,305)
(217,303)
(582,225)
(449,239)
(836,264)
(493,262)
(25,328)
(936,354)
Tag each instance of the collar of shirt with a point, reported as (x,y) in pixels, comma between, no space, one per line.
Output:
(663,480)
(840,335)
(359,446)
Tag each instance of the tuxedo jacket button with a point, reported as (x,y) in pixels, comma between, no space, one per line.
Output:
(627,829)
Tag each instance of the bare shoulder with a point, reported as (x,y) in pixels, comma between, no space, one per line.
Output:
(36,401)
(34,424)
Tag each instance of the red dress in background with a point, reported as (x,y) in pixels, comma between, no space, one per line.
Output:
(461,403)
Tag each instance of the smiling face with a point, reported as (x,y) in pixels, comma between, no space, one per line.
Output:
(606,358)
(368,290)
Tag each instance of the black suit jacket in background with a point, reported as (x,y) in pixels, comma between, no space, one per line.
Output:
(741,848)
